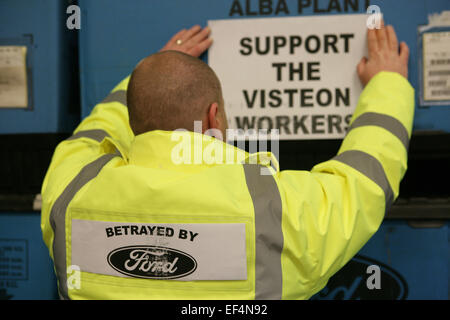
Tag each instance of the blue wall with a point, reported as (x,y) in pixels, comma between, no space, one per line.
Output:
(115,35)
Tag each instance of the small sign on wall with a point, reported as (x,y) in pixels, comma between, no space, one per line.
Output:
(436,68)
(434,60)
(13,77)
(13,259)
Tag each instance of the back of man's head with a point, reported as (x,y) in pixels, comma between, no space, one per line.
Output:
(170,90)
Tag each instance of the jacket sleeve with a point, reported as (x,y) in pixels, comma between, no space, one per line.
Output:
(109,119)
(332,211)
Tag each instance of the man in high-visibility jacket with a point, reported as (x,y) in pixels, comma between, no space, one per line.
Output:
(132,209)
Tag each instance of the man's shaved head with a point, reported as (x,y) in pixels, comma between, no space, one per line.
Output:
(170,90)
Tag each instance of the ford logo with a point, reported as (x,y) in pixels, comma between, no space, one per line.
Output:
(350,283)
(152,262)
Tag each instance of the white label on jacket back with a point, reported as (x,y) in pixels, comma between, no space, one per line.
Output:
(193,251)
(13,77)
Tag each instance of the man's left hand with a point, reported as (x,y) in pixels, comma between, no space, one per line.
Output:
(194,41)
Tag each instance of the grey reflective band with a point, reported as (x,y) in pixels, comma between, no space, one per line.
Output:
(381,120)
(58,217)
(268,232)
(117,96)
(371,168)
(95,134)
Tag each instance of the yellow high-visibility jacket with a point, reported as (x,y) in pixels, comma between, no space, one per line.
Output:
(143,217)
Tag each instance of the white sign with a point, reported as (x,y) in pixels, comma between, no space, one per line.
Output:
(436,66)
(13,77)
(295,74)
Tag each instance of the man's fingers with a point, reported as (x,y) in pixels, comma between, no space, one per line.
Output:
(361,66)
(372,42)
(404,52)
(382,38)
(392,38)
(194,41)
(197,50)
(176,37)
(198,38)
(190,33)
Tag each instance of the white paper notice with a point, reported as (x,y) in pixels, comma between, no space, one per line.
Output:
(13,77)
(295,74)
(436,66)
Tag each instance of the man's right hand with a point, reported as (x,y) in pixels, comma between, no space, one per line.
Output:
(384,54)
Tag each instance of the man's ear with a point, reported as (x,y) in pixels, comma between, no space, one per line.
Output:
(213,120)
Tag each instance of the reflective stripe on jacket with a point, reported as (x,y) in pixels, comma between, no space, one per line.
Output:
(295,228)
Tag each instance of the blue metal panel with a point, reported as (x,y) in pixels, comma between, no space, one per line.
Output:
(115,35)
(26,270)
(42,26)
(414,264)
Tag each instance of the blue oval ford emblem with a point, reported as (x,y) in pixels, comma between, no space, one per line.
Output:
(350,283)
(152,262)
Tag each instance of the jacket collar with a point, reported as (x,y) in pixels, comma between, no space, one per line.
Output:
(182,151)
